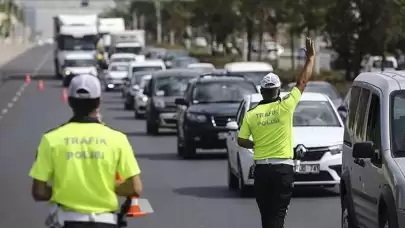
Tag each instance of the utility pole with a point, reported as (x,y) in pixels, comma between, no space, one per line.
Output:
(158,21)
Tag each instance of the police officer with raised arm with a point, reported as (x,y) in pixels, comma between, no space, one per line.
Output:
(81,159)
(270,124)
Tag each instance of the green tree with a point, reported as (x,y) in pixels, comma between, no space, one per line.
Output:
(12,12)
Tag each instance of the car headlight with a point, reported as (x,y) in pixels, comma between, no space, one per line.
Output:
(68,72)
(336,149)
(159,103)
(196,117)
(144,98)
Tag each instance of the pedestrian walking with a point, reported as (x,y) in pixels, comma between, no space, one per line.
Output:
(270,124)
(81,159)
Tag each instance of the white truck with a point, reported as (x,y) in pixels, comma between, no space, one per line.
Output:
(108,26)
(129,41)
(74,33)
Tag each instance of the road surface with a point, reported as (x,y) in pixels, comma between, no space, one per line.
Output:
(183,193)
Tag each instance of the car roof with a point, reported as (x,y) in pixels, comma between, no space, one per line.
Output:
(387,81)
(200,65)
(248,66)
(149,62)
(257,97)
(209,78)
(121,55)
(291,84)
(79,55)
(177,72)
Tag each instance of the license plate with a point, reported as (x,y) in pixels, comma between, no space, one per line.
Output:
(308,169)
(222,135)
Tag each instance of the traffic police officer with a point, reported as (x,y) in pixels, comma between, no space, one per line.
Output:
(270,124)
(81,159)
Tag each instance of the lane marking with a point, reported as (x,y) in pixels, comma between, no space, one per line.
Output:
(21,89)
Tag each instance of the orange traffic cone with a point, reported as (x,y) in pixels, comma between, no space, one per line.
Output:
(135,209)
(27,78)
(41,85)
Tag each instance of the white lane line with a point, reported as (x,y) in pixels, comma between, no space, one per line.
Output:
(21,89)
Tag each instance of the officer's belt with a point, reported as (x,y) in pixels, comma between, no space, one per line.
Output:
(274,161)
(109,218)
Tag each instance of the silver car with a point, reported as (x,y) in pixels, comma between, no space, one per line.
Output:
(141,99)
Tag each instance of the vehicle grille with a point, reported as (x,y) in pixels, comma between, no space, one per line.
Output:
(221,121)
(322,176)
(315,153)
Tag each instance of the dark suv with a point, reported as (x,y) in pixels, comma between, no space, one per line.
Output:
(162,90)
(209,103)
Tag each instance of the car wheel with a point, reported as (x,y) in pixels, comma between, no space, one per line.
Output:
(346,218)
(127,106)
(151,128)
(189,149)
(243,188)
(388,220)
(232,179)
(180,147)
(136,114)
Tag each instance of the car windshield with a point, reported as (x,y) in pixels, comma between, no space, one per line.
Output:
(122,60)
(326,89)
(222,91)
(256,77)
(137,76)
(398,122)
(133,50)
(387,64)
(119,68)
(176,53)
(184,62)
(171,85)
(313,114)
(79,62)
(146,68)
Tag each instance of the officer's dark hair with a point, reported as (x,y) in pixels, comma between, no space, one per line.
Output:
(270,94)
(83,106)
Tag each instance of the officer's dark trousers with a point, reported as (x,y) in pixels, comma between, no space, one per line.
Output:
(88,225)
(273,190)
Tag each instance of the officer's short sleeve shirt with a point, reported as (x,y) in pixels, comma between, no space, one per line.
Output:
(271,127)
(82,161)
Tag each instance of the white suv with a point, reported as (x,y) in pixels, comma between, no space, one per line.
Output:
(318,130)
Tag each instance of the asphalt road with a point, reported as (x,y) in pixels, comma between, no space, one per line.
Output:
(183,193)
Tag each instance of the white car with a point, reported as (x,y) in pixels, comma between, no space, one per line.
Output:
(141,99)
(255,71)
(125,57)
(201,66)
(78,63)
(116,76)
(147,65)
(318,129)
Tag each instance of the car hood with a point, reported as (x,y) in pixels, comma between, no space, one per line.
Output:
(225,109)
(117,74)
(81,70)
(318,136)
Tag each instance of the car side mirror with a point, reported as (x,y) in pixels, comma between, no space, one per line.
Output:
(363,150)
(232,126)
(181,101)
(342,108)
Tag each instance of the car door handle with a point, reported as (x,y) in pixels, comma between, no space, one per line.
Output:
(359,162)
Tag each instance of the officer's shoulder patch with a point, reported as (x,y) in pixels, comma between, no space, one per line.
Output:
(56,128)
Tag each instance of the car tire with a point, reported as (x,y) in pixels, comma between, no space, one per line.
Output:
(346,218)
(388,219)
(189,149)
(151,128)
(180,148)
(107,89)
(242,187)
(136,114)
(127,106)
(232,179)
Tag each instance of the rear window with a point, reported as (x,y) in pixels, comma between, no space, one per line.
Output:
(146,68)
(119,68)
(222,91)
(171,85)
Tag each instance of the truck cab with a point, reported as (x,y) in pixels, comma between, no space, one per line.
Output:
(74,33)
